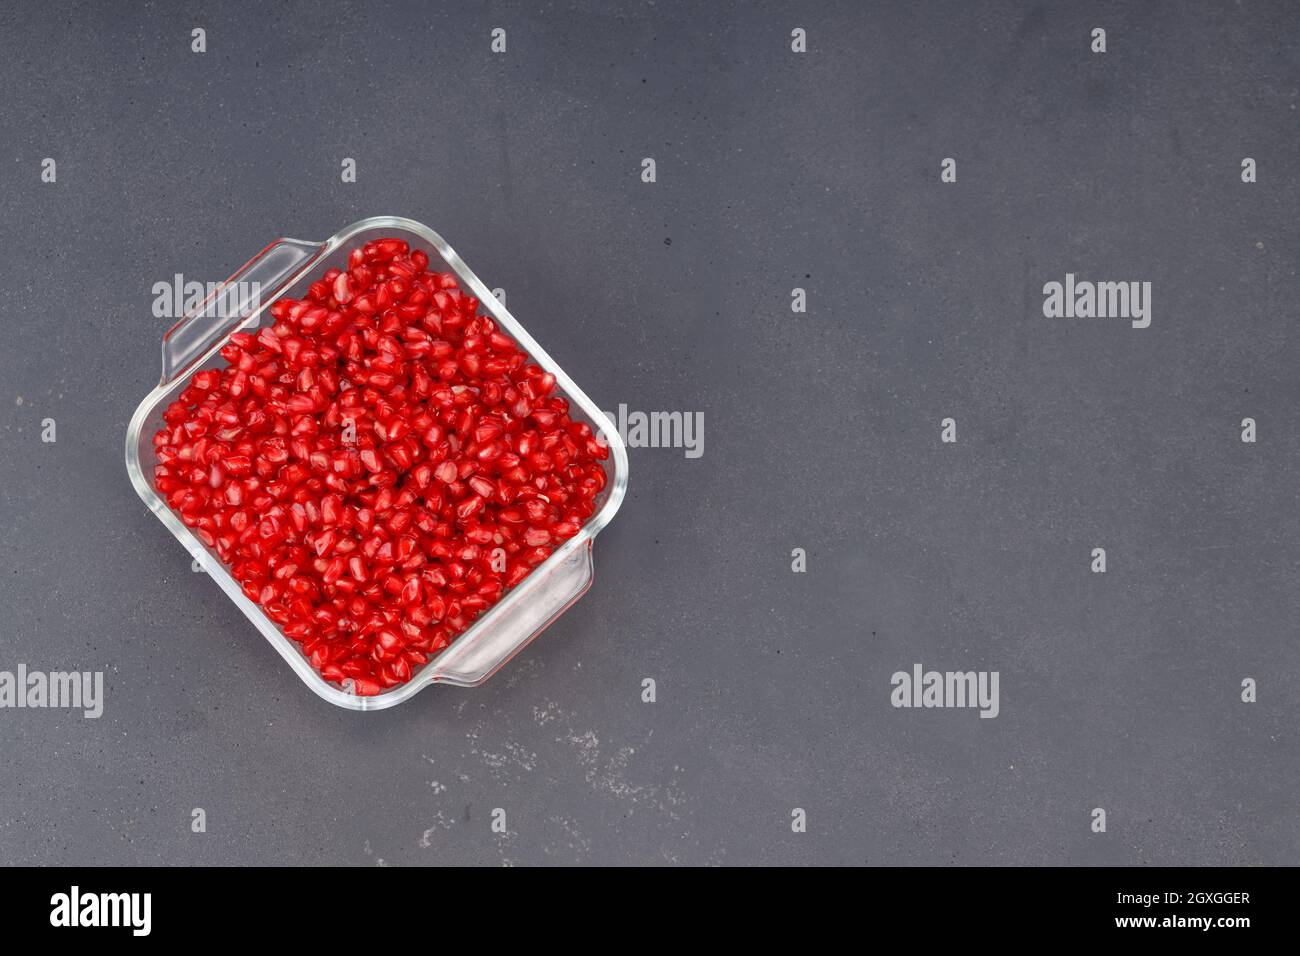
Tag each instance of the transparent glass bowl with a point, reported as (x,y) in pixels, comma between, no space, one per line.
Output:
(285,268)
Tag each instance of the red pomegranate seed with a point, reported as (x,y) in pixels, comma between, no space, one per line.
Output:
(378,466)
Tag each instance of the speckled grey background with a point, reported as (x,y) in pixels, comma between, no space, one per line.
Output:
(775,170)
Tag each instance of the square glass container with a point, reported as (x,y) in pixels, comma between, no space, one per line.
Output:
(285,268)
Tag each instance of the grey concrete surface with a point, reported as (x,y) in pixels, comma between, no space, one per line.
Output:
(774,170)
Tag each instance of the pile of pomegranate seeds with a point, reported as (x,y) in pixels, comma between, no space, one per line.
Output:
(379,466)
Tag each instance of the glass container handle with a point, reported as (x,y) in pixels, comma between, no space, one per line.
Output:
(524,616)
(236,302)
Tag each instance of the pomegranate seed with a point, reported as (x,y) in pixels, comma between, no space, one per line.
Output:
(379,466)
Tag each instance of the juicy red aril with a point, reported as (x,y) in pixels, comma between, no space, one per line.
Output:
(378,466)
